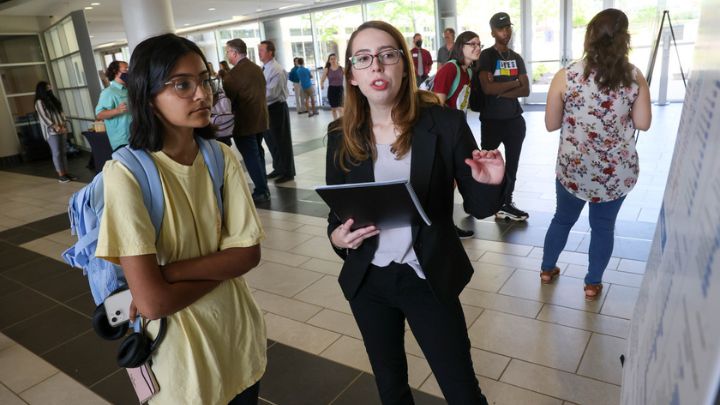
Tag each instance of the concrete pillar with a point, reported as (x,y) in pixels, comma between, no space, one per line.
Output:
(274,32)
(143,19)
(446,17)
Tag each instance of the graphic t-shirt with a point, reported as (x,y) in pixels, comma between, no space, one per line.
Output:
(443,84)
(504,68)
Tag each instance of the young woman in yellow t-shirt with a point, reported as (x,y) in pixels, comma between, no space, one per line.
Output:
(214,351)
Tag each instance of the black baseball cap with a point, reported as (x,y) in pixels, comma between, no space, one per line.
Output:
(500,20)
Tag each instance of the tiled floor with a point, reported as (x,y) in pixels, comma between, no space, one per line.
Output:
(531,344)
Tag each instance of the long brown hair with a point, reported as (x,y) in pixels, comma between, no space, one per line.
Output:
(358,139)
(607,43)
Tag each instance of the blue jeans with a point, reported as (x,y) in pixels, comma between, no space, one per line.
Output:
(602,233)
(248,147)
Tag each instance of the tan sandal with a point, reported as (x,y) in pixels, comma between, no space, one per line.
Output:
(592,291)
(549,276)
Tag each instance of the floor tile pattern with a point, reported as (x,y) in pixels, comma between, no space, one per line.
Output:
(531,344)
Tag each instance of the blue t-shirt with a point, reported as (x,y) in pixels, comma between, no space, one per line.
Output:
(305,77)
(118,127)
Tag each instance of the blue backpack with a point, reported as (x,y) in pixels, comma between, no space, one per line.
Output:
(86,209)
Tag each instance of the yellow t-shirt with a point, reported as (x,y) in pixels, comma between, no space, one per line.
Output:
(216,347)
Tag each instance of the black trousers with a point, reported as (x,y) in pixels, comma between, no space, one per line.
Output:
(387,297)
(279,140)
(511,133)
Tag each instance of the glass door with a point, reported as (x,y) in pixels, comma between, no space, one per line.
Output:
(555,38)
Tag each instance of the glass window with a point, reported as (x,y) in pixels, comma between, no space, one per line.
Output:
(206,42)
(62,79)
(582,12)
(64,48)
(22,79)
(250,33)
(331,31)
(48,43)
(88,108)
(68,102)
(78,99)
(474,15)
(410,17)
(546,44)
(68,32)
(644,17)
(297,32)
(20,48)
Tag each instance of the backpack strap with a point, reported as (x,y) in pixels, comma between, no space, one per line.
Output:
(142,166)
(215,161)
(456,81)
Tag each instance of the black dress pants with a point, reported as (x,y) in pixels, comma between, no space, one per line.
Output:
(387,297)
(279,140)
(511,133)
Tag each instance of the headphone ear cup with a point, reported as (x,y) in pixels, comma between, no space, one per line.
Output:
(134,351)
(103,328)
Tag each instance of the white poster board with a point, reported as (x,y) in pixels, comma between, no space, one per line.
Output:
(674,344)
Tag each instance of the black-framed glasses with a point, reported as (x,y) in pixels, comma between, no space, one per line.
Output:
(185,86)
(386,57)
(475,44)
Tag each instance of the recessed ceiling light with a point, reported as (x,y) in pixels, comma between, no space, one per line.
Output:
(211,9)
(258,10)
(185,25)
(92,36)
(94,4)
(88,8)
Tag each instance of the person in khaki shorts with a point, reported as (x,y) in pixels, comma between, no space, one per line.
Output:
(308,89)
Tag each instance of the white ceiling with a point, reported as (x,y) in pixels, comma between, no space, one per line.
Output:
(105,20)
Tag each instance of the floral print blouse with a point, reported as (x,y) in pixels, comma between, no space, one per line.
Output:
(597,160)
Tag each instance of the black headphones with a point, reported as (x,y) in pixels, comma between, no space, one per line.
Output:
(136,349)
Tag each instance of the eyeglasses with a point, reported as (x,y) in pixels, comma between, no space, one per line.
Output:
(388,57)
(185,87)
(475,44)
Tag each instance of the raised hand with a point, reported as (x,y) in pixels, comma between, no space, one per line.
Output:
(487,166)
(343,238)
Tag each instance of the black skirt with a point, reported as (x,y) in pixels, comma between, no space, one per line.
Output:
(335,96)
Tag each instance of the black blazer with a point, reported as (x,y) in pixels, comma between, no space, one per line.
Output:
(441,142)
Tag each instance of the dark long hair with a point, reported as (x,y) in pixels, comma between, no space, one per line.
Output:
(328,64)
(457,49)
(607,44)
(113,69)
(47,97)
(356,122)
(153,61)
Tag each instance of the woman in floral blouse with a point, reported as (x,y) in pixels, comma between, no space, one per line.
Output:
(598,102)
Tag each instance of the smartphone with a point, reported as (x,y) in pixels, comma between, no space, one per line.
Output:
(117,307)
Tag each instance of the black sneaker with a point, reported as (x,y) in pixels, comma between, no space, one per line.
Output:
(63,179)
(512,213)
(261,197)
(463,233)
(70,176)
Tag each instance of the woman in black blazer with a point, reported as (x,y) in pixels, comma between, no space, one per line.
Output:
(391,130)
